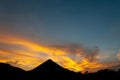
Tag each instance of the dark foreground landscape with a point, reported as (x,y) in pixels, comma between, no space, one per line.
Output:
(49,70)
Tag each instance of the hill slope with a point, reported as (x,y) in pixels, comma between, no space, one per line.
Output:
(8,72)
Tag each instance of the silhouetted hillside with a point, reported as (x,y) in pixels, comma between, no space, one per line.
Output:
(50,70)
(103,75)
(8,72)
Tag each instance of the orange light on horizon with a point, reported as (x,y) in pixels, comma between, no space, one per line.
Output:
(35,54)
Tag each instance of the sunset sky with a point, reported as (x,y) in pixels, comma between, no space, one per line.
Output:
(66,26)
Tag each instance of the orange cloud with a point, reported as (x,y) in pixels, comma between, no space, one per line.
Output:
(27,55)
(118,56)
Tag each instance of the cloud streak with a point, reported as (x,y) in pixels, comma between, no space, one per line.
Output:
(27,55)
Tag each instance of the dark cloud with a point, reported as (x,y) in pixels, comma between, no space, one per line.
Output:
(79,50)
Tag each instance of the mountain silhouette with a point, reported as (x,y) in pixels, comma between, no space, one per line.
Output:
(50,70)
(8,72)
(48,65)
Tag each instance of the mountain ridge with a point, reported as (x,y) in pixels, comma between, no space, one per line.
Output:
(50,70)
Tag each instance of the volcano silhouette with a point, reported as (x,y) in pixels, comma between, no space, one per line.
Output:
(48,66)
(50,70)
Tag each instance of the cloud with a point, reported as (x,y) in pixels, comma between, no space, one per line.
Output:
(118,56)
(27,55)
(78,50)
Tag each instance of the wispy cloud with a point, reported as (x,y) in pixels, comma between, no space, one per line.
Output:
(27,55)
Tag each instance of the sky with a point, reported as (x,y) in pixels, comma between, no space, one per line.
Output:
(61,23)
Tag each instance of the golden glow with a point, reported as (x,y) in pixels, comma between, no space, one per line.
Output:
(34,54)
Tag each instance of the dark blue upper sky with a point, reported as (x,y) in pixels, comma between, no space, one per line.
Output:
(87,22)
